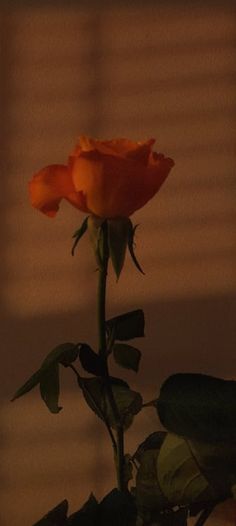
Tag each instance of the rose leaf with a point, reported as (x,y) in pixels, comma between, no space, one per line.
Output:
(198,406)
(127,326)
(50,388)
(126,356)
(55,517)
(90,361)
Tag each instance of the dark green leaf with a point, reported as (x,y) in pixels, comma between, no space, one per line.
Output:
(118,509)
(150,498)
(128,402)
(218,461)
(193,473)
(180,476)
(182,473)
(55,517)
(90,361)
(49,388)
(199,406)
(128,469)
(131,234)
(46,522)
(118,381)
(65,354)
(118,230)
(196,508)
(87,515)
(126,356)
(153,441)
(78,234)
(28,385)
(173,518)
(233,490)
(94,391)
(127,326)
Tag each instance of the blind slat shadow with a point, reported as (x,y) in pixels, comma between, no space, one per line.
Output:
(76,70)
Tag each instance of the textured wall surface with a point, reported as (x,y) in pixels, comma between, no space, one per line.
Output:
(163,71)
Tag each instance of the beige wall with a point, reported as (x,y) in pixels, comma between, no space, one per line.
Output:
(148,71)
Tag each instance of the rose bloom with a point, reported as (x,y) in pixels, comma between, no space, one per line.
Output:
(106,178)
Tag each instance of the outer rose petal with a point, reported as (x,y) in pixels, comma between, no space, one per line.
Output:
(50,185)
(116,186)
(78,199)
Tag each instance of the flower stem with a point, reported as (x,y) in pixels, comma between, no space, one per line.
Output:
(102,281)
(104,258)
(204,516)
(120,458)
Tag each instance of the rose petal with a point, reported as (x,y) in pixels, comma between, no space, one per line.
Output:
(142,152)
(79,200)
(128,148)
(115,186)
(88,144)
(49,186)
(120,147)
(106,178)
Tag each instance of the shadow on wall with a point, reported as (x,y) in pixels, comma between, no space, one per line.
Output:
(47,457)
(181,335)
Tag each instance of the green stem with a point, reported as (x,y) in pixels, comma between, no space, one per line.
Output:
(120,458)
(104,257)
(152,403)
(204,516)
(102,296)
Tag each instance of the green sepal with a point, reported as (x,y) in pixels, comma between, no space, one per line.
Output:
(88,515)
(47,376)
(96,236)
(78,234)
(198,406)
(126,326)
(131,244)
(56,517)
(118,235)
(127,356)
(118,509)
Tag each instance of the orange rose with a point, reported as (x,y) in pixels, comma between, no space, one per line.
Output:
(105,178)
